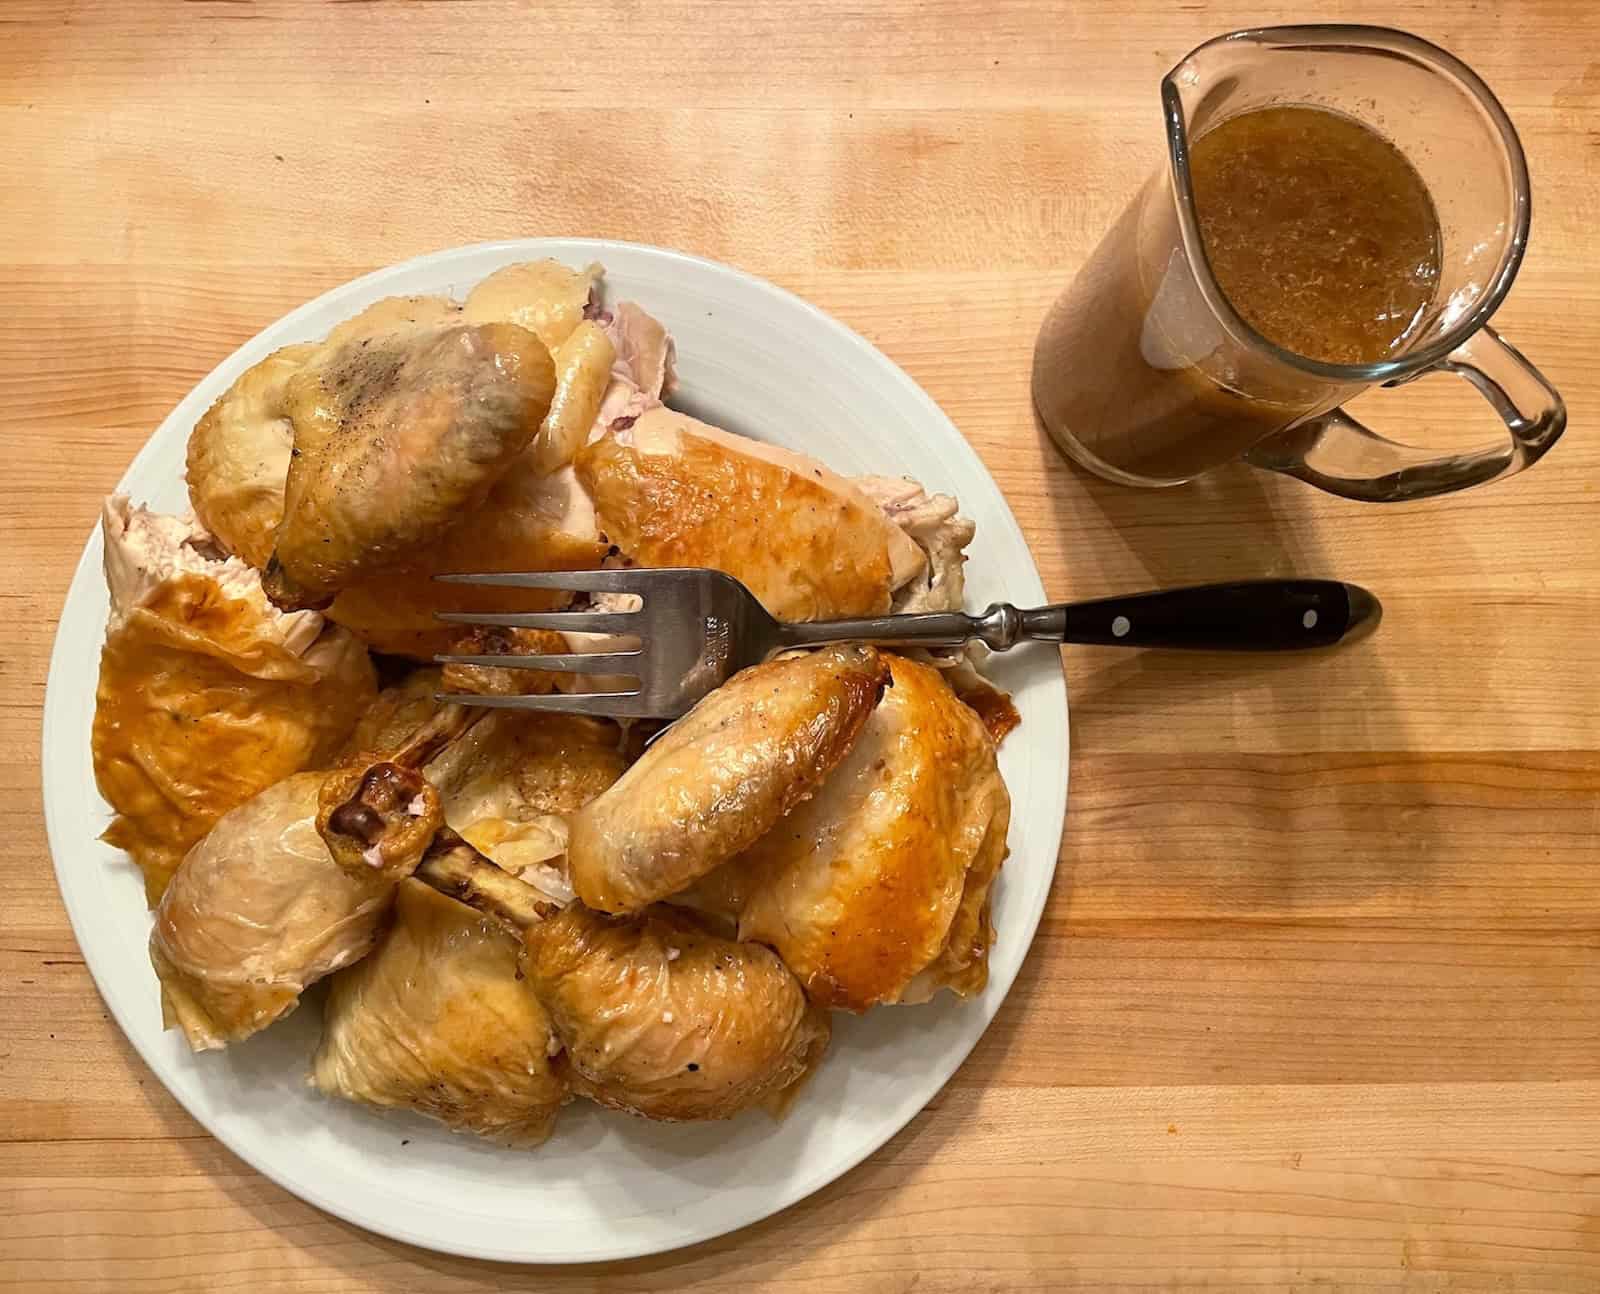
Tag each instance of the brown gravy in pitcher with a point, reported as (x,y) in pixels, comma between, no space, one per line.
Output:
(1321,235)
(1319,232)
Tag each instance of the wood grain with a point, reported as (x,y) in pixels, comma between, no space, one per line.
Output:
(1316,1001)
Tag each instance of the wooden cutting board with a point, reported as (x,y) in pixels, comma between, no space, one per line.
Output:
(1316,1002)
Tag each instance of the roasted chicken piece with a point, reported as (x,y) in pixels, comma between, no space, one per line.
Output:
(661,1018)
(545,297)
(239,450)
(208,694)
(934,523)
(440,1020)
(533,518)
(528,523)
(717,780)
(239,456)
(876,889)
(507,782)
(514,766)
(395,438)
(397,714)
(258,912)
(263,907)
(657,1016)
(671,491)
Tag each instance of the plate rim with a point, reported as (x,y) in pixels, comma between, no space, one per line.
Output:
(791,1191)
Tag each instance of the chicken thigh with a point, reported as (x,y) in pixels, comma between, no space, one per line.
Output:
(657,1016)
(663,1019)
(394,437)
(718,779)
(239,451)
(876,889)
(440,1020)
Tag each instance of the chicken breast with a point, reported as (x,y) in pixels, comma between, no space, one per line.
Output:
(718,780)
(934,523)
(439,1020)
(660,1019)
(394,438)
(258,912)
(876,889)
(671,491)
(207,693)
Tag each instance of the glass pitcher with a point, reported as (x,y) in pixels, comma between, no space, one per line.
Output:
(1145,374)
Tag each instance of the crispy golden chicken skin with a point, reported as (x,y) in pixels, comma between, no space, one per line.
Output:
(394,437)
(258,912)
(670,491)
(876,889)
(661,1019)
(717,780)
(207,694)
(440,1020)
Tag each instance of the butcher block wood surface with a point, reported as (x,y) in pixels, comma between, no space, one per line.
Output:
(1316,1000)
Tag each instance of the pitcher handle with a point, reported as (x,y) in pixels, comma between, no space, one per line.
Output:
(1343,456)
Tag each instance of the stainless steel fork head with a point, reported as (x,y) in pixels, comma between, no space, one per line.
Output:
(693,629)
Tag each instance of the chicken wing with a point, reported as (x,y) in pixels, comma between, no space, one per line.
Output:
(207,693)
(876,889)
(657,1016)
(394,436)
(440,1020)
(670,491)
(258,911)
(718,779)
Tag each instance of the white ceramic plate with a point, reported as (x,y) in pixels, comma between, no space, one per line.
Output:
(754,359)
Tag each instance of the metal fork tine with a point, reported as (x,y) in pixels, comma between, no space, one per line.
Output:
(610,581)
(623,704)
(589,622)
(611,662)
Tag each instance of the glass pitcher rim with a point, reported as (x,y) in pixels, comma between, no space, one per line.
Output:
(1355,36)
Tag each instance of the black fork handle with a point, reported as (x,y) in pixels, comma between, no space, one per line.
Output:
(1251,615)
